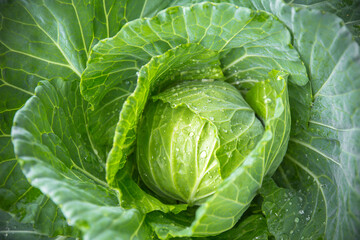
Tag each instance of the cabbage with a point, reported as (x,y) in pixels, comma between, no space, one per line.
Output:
(179,119)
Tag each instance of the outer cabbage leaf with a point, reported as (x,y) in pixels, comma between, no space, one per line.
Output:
(34,47)
(41,40)
(288,213)
(52,145)
(12,229)
(322,159)
(349,11)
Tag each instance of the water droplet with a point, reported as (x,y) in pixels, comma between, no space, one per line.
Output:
(307,218)
(207,80)
(267,100)
(203,154)
(212,118)
(191,134)
(291,232)
(296,220)
(301,212)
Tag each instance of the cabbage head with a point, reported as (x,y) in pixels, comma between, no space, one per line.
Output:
(189,140)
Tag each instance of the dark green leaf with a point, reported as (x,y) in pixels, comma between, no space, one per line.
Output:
(52,145)
(289,213)
(327,152)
